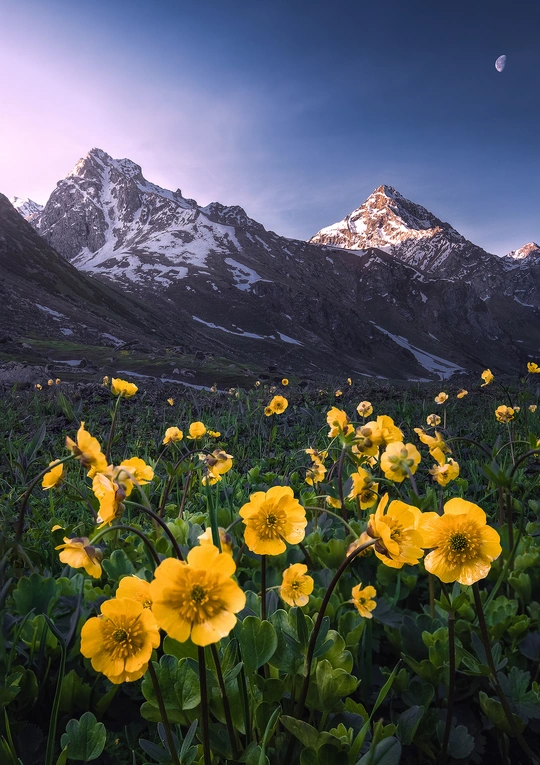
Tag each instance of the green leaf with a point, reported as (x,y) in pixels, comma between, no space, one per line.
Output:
(258,642)
(84,738)
(408,723)
(360,738)
(493,710)
(118,566)
(74,694)
(34,593)
(305,733)
(179,685)
(333,685)
(387,752)
(187,650)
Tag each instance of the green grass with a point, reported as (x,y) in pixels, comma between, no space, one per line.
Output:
(267,452)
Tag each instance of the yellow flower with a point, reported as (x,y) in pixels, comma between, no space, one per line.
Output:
(88,452)
(362,539)
(364,408)
(50,383)
(272,388)
(339,423)
(123,388)
(338,393)
(119,643)
(533,368)
(363,600)
(533,407)
(464,546)
(227,543)
(315,473)
(349,381)
(445,472)
(383,431)
(38,386)
(79,553)
(54,477)
(215,465)
(333,502)
(213,389)
(462,393)
(170,401)
(398,460)
(441,398)
(517,409)
(106,380)
(133,468)
(278,404)
(487,377)
(284,381)
(268,411)
(437,445)
(56,527)
(398,539)
(110,496)
(196,430)
(214,433)
(258,382)
(134,588)
(173,434)
(364,488)
(197,598)
(58,381)
(433,420)
(296,585)
(273,518)
(364,445)
(504,413)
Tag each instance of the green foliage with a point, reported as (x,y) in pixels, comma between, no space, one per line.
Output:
(376,690)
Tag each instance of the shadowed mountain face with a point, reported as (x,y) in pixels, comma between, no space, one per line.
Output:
(391,291)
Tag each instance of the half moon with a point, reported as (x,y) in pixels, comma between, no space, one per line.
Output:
(500,63)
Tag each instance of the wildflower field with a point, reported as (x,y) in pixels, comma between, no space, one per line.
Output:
(273,576)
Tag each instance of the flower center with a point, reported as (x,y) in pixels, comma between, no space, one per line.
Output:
(198,595)
(295,585)
(458,542)
(147,604)
(120,636)
(271,520)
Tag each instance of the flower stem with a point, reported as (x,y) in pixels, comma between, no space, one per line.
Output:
(225,700)
(451,680)
(500,693)
(204,706)
(149,546)
(263,588)
(187,483)
(340,483)
(56,702)
(161,523)
(334,515)
(28,492)
(163,714)
(168,487)
(318,623)
(112,430)
(431,580)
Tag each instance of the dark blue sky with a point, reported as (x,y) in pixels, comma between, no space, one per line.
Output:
(294,109)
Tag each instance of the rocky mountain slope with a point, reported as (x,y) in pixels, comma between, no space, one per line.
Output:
(26,207)
(390,292)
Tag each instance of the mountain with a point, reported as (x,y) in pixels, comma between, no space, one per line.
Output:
(392,291)
(529,253)
(42,295)
(26,207)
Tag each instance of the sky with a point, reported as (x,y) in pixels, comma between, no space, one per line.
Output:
(294,109)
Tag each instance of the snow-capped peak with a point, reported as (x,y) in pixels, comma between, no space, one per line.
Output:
(390,222)
(26,207)
(528,250)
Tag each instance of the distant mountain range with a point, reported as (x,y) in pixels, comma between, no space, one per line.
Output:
(389,291)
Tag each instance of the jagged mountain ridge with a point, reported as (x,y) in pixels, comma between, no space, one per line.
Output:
(26,207)
(300,304)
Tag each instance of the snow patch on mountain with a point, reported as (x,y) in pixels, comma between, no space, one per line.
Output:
(26,207)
